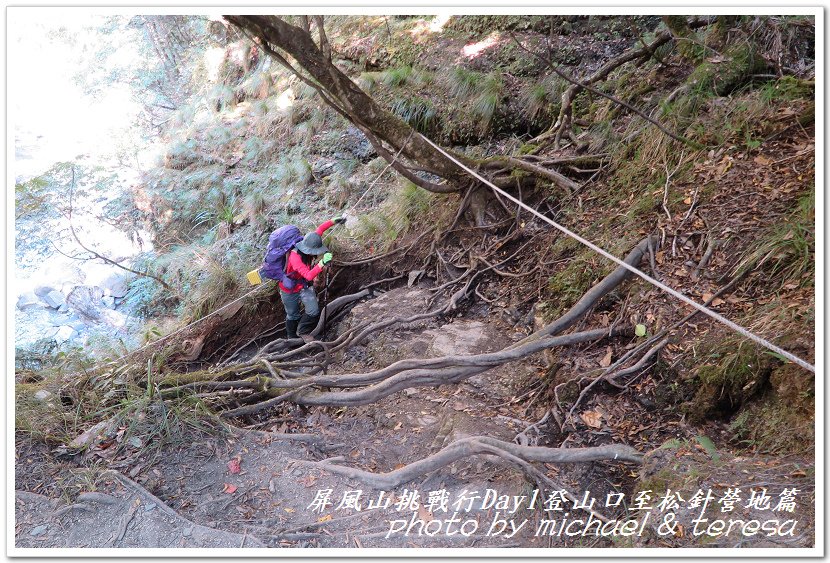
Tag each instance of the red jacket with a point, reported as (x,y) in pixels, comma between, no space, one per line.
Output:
(296,269)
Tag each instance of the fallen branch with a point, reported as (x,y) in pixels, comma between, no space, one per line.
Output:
(569,95)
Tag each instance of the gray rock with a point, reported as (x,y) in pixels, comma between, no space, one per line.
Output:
(87,301)
(39,530)
(358,144)
(27,301)
(54,299)
(44,290)
(103,428)
(323,168)
(108,301)
(63,308)
(43,395)
(64,333)
(78,325)
(413,277)
(115,285)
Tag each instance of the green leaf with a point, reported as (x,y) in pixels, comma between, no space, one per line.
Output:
(709,446)
(640,330)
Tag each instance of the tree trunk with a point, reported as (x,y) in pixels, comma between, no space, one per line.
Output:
(347,98)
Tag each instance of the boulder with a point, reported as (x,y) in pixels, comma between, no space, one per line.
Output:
(43,395)
(115,285)
(54,299)
(64,333)
(43,290)
(86,300)
(27,301)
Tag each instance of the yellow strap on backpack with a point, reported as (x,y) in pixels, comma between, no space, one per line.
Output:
(254,277)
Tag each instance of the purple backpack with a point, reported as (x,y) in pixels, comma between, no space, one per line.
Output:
(279,243)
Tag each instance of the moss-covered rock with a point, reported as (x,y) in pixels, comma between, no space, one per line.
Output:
(783,421)
(722,75)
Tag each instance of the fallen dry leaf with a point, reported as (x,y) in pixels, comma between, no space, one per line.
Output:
(762,160)
(592,419)
(606,360)
(229,489)
(308,480)
(325,518)
(424,514)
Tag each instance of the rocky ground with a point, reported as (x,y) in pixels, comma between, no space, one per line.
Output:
(262,487)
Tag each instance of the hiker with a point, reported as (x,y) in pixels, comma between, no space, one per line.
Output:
(300,268)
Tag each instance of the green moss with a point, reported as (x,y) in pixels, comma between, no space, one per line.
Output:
(783,421)
(568,285)
(528,148)
(739,63)
(734,371)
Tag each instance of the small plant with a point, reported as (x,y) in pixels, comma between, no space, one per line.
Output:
(395,77)
(418,112)
(368,81)
(537,100)
(257,85)
(221,97)
(787,250)
(301,171)
(488,100)
(787,88)
(304,91)
(544,96)
(346,167)
(463,83)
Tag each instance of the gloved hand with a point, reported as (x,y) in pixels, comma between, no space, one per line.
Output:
(339,220)
(326,259)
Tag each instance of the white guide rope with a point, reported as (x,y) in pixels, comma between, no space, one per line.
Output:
(720,318)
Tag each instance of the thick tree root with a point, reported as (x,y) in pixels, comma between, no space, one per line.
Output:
(478,445)
(292,380)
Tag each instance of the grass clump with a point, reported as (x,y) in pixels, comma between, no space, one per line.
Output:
(786,252)
(463,83)
(416,111)
(394,216)
(544,98)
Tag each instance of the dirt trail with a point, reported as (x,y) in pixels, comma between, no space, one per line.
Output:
(278,498)
(274,490)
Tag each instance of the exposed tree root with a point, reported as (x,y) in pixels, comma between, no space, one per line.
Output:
(286,379)
(478,445)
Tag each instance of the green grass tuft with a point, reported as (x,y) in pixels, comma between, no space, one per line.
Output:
(463,83)
(416,111)
(395,77)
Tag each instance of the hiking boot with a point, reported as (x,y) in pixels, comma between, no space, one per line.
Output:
(291,328)
(308,324)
